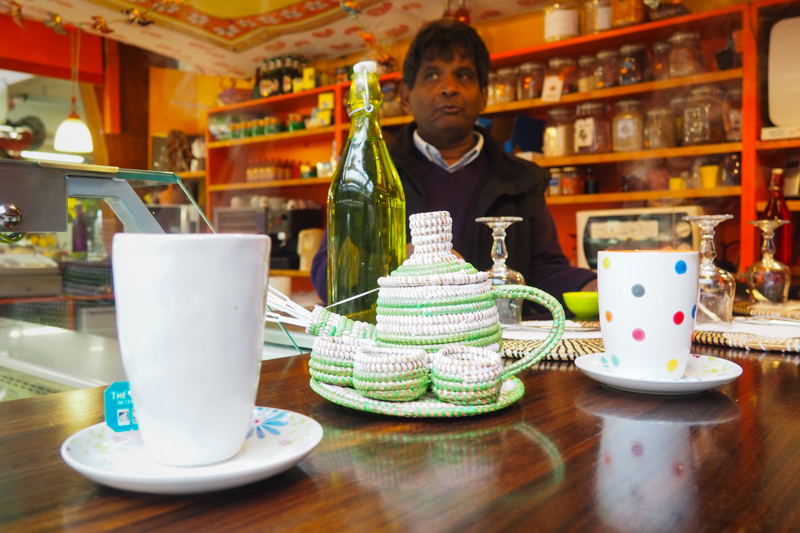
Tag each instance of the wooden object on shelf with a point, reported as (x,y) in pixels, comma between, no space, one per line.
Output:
(616,197)
(613,157)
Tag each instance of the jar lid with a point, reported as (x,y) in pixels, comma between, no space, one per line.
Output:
(570,169)
(705,90)
(627,104)
(629,49)
(607,54)
(683,36)
(735,92)
(658,111)
(586,61)
(594,107)
(677,101)
(660,47)
(533,65)
(555,171)
(505,71)
(561,61)
(560,112)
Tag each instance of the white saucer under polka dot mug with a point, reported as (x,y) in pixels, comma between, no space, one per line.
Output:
(647,302)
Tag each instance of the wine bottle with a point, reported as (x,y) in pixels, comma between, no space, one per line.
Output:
(778,210)
(366,205)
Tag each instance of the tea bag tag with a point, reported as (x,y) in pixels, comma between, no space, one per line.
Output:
(120,415)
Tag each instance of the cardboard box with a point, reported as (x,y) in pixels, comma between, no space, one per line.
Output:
(325,101)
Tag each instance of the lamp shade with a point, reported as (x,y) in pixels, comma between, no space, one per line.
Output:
(73,136)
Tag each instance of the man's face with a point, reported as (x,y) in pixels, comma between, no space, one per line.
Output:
(445,101)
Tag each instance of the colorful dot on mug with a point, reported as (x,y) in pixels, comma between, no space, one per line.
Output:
(680,267)
(604,361)
(672,365)
(678,318)
(609,316)
(606,263)
(615,360)
(637,290)
(694,309)
(638,334)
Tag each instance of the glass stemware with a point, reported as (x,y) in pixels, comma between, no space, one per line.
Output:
(768,280)
(510,309)
(717,286)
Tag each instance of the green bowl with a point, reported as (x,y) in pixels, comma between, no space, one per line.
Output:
(582,304)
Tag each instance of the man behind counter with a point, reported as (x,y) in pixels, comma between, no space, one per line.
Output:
(448,163)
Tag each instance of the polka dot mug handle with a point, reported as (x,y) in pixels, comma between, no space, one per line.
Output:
(552,305)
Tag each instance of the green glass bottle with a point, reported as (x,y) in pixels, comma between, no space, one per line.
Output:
(366,205)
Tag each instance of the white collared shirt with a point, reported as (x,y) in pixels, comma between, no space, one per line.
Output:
(432,153)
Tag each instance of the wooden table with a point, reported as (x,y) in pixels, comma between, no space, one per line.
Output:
(572,455)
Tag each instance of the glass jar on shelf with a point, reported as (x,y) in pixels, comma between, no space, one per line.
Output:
(491,89)
(506,86)
(685,55)
(592,129)
(607,72)
(595,16)
(659,64)
(632,63)
(586,68)
(559,133)
(628,126)
(530,79)
(702,116)
(554,185)
(659,128)
(677,104)
(571,180)
(564,68)
(732,117)
(626,12)
(561,21)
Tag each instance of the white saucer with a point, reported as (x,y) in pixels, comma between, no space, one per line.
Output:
(277,440)
(703,373)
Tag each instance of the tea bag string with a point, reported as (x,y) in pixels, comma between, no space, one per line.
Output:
(368,107)
(352,298)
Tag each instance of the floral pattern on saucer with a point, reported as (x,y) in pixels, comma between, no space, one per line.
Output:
(702,373)
(276,441)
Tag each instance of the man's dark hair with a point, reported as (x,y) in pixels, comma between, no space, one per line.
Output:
(443,39)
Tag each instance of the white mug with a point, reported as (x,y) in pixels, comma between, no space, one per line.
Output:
(190,316)
(647,301)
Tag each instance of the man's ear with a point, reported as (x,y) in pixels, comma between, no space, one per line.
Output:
(484,98)
(405,97)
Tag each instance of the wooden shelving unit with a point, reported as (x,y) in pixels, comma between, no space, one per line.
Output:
(199,174)
(278,184)
(290,273)
(793,205)
(615,157)
(228,159)
(616,197)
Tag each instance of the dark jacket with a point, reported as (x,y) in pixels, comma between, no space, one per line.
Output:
(513,187)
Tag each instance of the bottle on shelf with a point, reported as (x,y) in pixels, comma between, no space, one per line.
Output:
(778,210)
(366,205)
(79,234)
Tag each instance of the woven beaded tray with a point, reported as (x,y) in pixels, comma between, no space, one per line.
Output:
(426,407)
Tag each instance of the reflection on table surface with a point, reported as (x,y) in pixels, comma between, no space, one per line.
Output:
(570,455)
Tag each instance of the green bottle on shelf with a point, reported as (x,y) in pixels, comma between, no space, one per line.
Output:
(366,205)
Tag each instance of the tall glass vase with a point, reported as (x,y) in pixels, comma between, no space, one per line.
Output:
(510,309)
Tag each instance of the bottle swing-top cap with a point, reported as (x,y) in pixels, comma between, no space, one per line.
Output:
(365,66)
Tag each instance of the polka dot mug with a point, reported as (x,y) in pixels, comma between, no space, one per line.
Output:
(647,301)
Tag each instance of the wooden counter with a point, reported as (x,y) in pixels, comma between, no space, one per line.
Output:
(572,455)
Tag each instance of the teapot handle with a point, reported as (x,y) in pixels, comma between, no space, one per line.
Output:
(551,304)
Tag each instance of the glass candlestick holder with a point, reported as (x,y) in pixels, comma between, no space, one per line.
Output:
(768,280)
(510,309)
(717,286)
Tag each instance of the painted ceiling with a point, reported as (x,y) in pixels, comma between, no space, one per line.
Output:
(232,37)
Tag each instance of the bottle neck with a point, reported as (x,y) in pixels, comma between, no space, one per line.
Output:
(776,184)
(365,104)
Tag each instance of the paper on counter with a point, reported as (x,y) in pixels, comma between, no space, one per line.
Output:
(522,333)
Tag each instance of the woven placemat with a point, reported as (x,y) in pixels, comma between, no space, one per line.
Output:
(748,309)
(747,341)
(426,407)
(565,350)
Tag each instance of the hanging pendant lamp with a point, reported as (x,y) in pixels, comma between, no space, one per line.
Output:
(73,135)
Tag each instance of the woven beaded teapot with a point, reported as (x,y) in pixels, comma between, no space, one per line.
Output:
(437,328)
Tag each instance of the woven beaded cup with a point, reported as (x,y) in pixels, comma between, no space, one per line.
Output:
(391,374)
(647,302)
(466,375)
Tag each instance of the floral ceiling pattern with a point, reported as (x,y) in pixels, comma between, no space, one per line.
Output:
(232,38)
